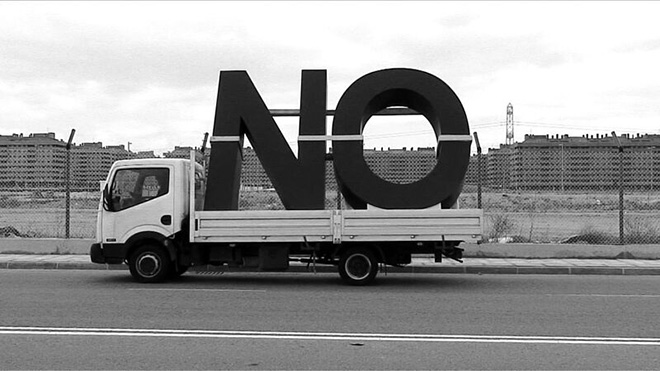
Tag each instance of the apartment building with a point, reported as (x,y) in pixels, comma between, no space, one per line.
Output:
(36,161)
(540,162)
(39,162)
(588,162)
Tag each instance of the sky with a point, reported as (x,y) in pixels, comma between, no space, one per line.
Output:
(147,72)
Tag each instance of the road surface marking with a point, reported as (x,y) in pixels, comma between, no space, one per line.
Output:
(205,290)
(609,295)
(75,331)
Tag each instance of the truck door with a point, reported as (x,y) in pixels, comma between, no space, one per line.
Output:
(138,199)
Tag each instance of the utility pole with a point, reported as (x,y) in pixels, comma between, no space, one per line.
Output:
(509,124)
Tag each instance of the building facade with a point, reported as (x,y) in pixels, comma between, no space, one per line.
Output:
(540,163)
(559,163)
(39,162)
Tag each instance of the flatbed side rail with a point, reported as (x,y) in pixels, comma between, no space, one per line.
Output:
(338,225)
(409,225)
(262,226)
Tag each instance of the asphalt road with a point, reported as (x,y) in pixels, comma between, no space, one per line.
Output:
(52,319)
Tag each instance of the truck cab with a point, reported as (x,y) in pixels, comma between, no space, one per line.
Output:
(144,202)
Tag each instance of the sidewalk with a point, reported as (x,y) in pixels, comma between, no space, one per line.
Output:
(419,265)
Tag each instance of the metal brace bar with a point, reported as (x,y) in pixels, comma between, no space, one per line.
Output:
(225,138)
(454,138)
(323,138)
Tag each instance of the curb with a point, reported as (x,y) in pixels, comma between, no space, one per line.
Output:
(465,268)
(52,246)
(608,271)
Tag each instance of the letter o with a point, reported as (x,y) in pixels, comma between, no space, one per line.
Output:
(423,93)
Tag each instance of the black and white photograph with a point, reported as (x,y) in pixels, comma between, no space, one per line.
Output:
(329,185)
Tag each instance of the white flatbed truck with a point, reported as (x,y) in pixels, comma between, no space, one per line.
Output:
(148,219)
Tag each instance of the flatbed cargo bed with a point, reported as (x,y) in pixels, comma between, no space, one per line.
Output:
(338,225)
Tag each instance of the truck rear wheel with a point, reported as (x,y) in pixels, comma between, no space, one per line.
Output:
(358,266)
(149,264)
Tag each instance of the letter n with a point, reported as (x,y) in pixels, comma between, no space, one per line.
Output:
(240,110)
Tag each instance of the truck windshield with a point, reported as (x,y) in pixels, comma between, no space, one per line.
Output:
(132,187)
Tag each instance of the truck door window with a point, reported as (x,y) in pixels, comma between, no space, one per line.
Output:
(132,187)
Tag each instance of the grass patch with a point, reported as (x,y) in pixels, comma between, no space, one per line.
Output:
(640,231)
(501,226)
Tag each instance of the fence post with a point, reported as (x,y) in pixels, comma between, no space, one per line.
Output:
(206,138)
(476,140)
(621,229)
(67,223)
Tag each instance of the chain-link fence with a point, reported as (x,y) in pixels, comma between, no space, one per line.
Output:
(543,190)
(38,199)
(43,213)
(560,189)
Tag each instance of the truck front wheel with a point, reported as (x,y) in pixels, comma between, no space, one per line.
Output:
(149,264)
(358,266)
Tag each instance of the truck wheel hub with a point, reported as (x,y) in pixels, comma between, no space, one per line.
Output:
(149,265)
(358,266)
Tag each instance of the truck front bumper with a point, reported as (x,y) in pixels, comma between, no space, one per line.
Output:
(96,254)
(106,254)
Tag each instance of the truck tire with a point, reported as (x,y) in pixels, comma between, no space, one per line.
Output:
(358,266)
(149,264)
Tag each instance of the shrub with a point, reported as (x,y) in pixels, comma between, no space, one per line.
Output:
(501,226)
(640,230)
(590,235)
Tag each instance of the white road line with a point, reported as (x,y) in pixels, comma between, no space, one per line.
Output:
(205,290)
(73,331)
(609,295)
